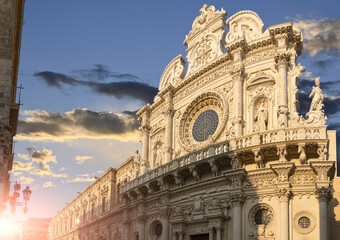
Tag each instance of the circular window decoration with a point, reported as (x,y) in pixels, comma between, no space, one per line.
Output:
(156,230)
(304,222)
(261,214)
(205,125)
(263,217)
(202,121)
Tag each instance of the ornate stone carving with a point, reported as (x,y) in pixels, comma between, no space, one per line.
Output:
(205,101)
(175,69)
(214,168)
(234,162)
(282,152)
(322,151)
(258,157)
(283,194)
(179,179)
(324,194)
(244,25)
(302,154)
(282,170)
(237,199)
(316,115)
(195,173)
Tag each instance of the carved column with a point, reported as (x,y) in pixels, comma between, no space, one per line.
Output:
(211,234)
(237,202)
(282,61)
(169,115)
(238,76)
(126,224)
(165,224)
(145,129)
(324,195)
(218,233)
(283,192)
(141,222)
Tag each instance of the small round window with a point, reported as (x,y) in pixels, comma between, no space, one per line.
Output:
(263,217)
(304,222)
(158,230)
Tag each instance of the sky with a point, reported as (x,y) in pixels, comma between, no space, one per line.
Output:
(87,66)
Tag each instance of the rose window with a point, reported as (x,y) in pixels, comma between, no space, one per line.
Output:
(205,125)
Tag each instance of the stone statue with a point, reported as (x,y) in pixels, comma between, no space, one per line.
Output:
(317,96)
(302,154)
(136,162)
(261,117)
(159,154)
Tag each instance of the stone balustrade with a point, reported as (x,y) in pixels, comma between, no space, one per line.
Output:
(287,135)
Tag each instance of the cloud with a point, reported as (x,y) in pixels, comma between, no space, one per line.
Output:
(41,157)
(48,184)
(39,164)
(320,36)
(23,156)
(101,72)
(79,179)
(78,123)
(19,166)
(82,159)
(117,89)
(26,180)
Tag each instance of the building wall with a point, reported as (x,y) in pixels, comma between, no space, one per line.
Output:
(11,19)
(226,155)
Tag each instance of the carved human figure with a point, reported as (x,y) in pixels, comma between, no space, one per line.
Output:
(317,96)
(158,156)
(322,151)
(261,117)
(234,162)
(302,153)
(136,162)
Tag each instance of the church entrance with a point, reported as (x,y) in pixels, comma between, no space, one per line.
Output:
(200,237)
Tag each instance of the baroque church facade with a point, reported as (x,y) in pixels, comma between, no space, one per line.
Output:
(226,154)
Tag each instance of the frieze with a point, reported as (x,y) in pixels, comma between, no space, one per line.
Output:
(262,55)
(222,71)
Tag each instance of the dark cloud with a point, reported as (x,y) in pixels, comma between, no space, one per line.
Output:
(320,36)
(101,72)
(79,123)
(323,64)
(56,79)
(132,114)
(119,89)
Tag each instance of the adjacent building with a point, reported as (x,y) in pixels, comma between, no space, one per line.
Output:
(226,154)
(11,21)
(35,229)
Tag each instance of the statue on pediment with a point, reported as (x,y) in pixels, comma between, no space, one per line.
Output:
(317,96)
